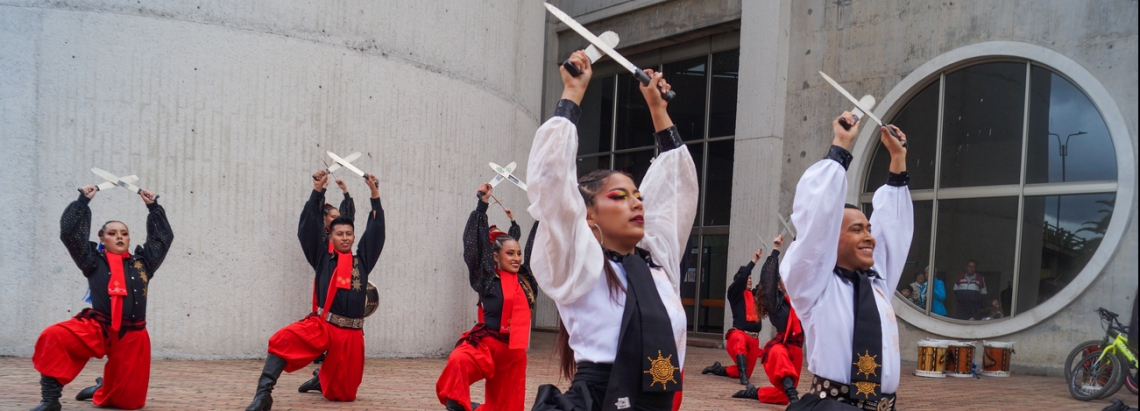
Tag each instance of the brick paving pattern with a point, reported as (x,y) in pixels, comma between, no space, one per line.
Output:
(409,384)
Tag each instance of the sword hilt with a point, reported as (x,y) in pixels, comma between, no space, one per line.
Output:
(644,79)
(571,68)
(847,126)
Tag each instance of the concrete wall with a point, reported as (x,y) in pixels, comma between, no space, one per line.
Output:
(873,48)
(225,109)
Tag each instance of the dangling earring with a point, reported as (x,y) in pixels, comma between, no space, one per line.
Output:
(601,238)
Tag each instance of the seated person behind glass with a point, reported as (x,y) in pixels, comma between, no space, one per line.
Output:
(993,311)
(915,294)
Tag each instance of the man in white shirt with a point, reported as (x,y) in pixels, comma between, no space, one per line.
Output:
(840,277)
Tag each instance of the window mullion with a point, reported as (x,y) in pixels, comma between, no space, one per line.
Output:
(931,276)
(1021,194)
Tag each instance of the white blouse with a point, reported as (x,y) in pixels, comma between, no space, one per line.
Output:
(823,300)
(567,259)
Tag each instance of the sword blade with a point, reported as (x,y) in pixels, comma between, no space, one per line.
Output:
(590,37)
(787,226)
(866,110)
(348,166)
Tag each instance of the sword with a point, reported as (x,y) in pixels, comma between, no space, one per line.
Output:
(610,38)
(121,182)
(344,163)
(605,48)
(859,105)
(787,227)
(336,166)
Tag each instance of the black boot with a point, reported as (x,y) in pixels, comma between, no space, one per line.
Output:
(313,384)
(742,368)
(89,392)
(50,390)
(715,369)
(790,390)
(748,392)
(453,405)
(263,400)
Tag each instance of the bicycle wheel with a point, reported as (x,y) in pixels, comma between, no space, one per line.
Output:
(1082,349)
(1092,376)
(1130,380)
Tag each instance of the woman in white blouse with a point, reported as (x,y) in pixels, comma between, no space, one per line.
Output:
(604,242)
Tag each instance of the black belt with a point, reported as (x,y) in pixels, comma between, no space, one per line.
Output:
(831,390)
(345,322)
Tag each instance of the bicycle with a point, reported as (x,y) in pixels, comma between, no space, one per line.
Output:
(1101,373)
(1110,322)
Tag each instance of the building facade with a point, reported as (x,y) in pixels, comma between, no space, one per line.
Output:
(1022,153)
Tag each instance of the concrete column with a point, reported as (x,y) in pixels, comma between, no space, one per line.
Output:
(759,132)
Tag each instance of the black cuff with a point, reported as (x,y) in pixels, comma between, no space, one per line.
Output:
(775,253)
(668,139)
(569,110)
(83,199)
(346,196)
(482,206)
(898,180)
(375,204)
(840,155)
(152,206)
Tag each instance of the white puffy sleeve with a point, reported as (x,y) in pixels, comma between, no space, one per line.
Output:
(817,213)
(567,259)
(892,224)
(671,193)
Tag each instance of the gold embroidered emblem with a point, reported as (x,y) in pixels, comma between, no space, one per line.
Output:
(142,271)
(866,388)
(661,369)
(144,291)
(866,364)
(356,269)
(356,284)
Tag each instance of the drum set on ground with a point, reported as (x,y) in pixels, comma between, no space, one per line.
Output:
(949,358)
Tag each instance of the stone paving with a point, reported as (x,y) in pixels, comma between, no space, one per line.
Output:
(409,384)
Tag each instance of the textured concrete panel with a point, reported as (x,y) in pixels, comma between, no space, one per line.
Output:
(224,110)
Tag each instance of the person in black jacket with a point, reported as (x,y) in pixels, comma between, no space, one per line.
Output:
(495,349)
(742,340)
(115,325)
(336,322)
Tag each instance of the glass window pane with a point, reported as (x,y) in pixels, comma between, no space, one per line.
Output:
(982,133)
(976,239)
(722,101)
(634,125)
(1068,140)
(588,164)
(714,271)
(919,120)
(635,163)
(595,126)
(697,151)
(718,183)
(688,79)
(689,279)
(1060,235)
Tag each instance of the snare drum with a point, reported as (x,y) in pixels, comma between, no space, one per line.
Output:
(931,358)
(960,359)
(995,358)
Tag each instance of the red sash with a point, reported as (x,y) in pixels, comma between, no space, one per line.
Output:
(515,308)
(117,287)
(750,307)
(341,279)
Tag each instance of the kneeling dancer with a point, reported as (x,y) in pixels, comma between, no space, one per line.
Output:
(742,340)
(783,355)
(611,262)
(336,323)
(115,325)
(495,349)
(840,278)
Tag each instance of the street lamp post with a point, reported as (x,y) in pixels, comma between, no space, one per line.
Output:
(1064,151)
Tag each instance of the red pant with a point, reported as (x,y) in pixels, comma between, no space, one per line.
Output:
(738,342)
(301,342)
(64,348)
(503,368)
(781,361)
(679,395)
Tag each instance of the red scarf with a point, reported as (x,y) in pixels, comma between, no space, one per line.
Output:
(341,279)
(117,287)
(750,307)
(516,307)
(794,327)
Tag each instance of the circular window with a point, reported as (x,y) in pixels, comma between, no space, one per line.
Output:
(1015,175)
